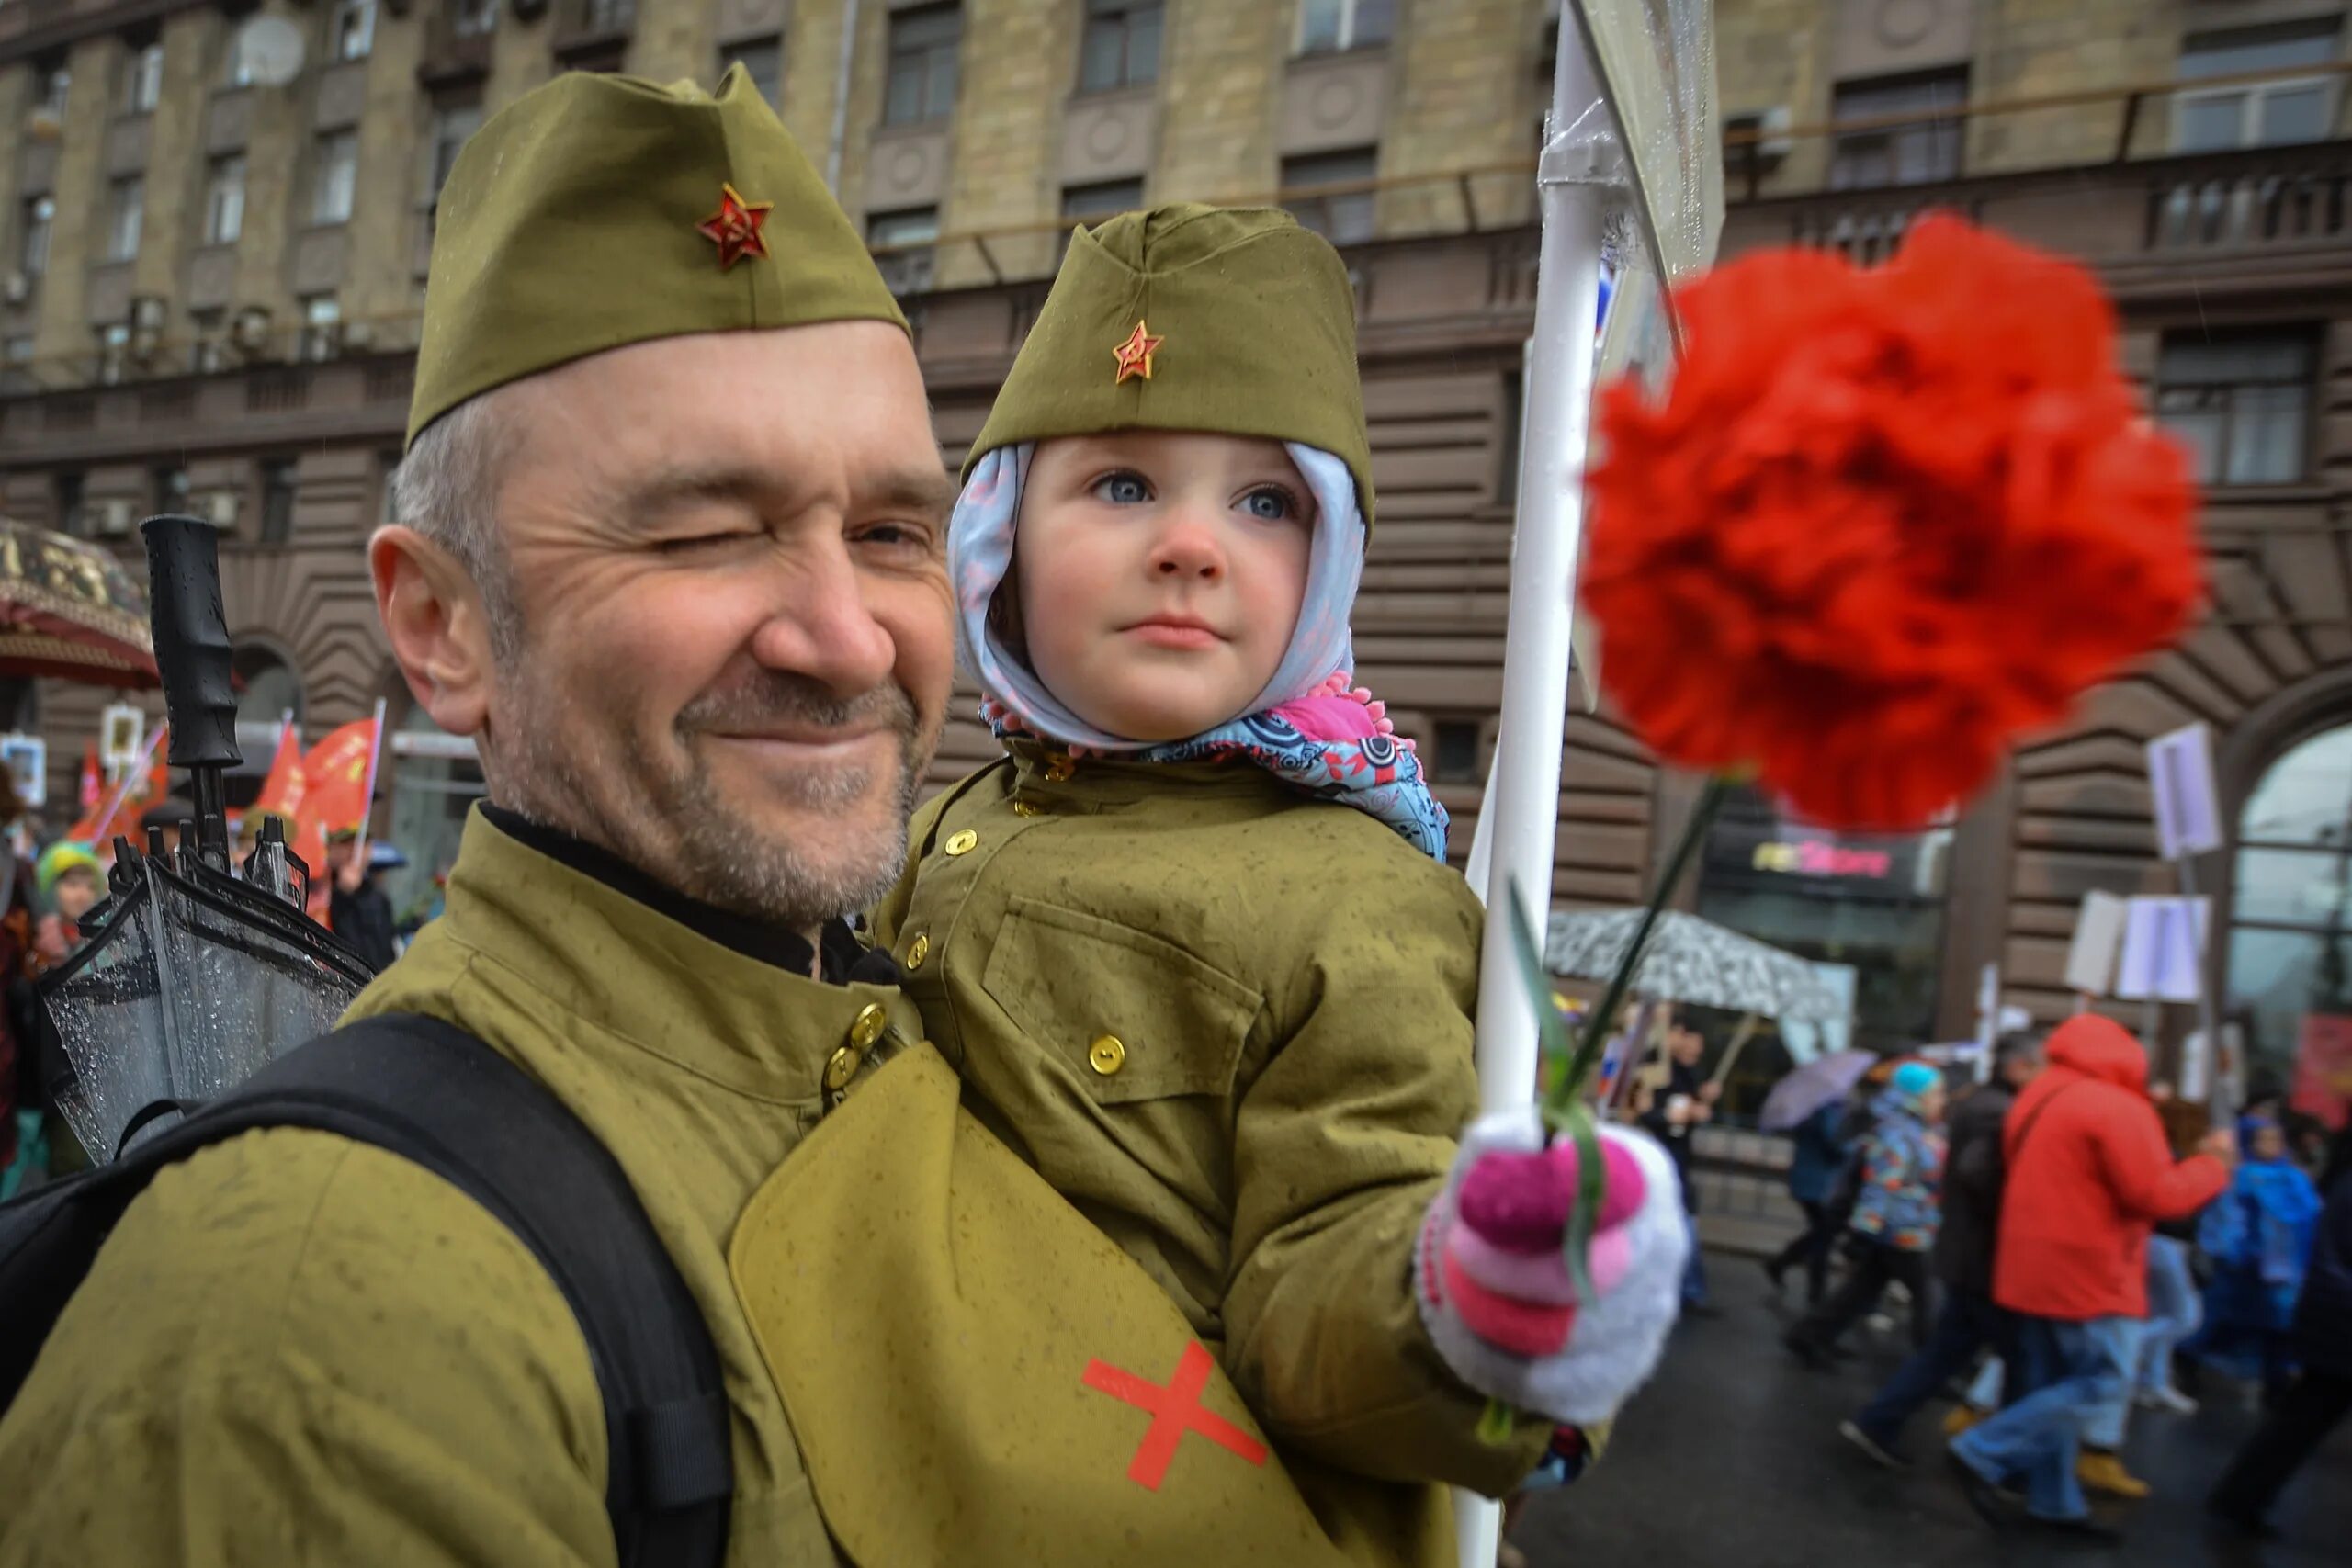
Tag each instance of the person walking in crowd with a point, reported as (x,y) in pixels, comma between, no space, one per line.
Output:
(67,880)
(1672,1112)
(1971,1204)
(2258,1239)
(2087,1175)
(2315,1401)
(1896,1215)
(1816,1162)
(358,910)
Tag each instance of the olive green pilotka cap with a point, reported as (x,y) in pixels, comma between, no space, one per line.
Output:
(1233,320)
(597,211)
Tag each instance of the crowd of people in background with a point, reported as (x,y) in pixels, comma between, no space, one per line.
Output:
(2080,1242)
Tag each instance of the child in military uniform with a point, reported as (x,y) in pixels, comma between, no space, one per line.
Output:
(1193,943)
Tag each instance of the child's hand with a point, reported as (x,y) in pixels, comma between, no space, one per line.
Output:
(1493,1282)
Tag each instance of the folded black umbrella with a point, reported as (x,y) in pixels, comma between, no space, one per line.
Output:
(196,974)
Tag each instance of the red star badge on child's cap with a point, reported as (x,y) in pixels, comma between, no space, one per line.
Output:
(736,227)
(1135,355)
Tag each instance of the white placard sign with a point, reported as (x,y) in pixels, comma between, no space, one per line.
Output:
(2180,772)
(2197,1062)
(2099,938)
(122,738)
(2162,938)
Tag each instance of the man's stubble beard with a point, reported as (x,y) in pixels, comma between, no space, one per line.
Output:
(666,815)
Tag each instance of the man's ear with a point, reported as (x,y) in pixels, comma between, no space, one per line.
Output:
(433,613)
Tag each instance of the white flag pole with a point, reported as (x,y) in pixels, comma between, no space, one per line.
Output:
(1522,817)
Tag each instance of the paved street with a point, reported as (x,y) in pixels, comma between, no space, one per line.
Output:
(1731,1456)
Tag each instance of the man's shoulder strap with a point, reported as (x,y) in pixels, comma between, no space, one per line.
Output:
(435,1095)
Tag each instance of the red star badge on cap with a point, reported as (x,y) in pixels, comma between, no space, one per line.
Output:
(1135,355)
(736,228)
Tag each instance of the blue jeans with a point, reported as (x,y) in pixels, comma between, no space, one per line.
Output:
(1694,1272)
(2173,1312)
(1968,1323)
(2063,1375)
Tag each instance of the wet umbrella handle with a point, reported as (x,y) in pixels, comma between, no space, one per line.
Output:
(193,651)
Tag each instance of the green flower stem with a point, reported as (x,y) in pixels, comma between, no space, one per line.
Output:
(1567,1085)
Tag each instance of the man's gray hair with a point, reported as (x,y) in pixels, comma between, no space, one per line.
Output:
(446,489)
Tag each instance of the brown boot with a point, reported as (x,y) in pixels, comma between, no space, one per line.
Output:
(2101,1469)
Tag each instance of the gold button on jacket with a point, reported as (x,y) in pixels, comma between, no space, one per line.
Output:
(1232,1026)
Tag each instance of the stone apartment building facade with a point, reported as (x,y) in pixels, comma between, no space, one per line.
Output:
(212,256)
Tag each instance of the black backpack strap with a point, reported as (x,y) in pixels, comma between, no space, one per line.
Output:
(433,1094)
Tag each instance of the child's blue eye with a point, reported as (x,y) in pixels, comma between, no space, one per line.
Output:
(1269,504)
(1123,490)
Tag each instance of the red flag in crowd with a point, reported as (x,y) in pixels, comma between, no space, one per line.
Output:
(94,781)
(288,780)
(336,777)
(142,794)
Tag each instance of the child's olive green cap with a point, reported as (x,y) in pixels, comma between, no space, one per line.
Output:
(1234,320)
(597,211)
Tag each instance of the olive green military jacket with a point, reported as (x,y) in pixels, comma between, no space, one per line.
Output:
(298,1349)
(1234,1028)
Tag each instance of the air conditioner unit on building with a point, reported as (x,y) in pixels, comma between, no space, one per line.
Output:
(357,337)
(111,519)
(149,313)
(220,508)
(1774,123)
(16,288)
(250,331)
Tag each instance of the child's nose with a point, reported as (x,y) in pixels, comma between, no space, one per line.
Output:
(1188,549)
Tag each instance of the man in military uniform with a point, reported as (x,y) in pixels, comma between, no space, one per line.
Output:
(670,548)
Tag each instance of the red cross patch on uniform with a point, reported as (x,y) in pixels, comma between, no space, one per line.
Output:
(1175,1409)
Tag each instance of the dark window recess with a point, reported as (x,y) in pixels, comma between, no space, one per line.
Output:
(763,59)
(1511,433)
(2240,403)
(170,488)
(1919,141)
(276,501)
(1121,46)
(73,516)
(902,243)
(920,83)
(1342,217)
(1457,759)
(1090,204)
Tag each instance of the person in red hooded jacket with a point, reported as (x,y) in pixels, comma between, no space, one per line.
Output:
(2088,1173)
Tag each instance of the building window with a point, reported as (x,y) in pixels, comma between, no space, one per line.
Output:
(52,83)
(1455,758)
(32,255)
(902,243)
(1105,198)
(2256,114)
(224,200)
(2290,961)
(113,352)
(763,59)
(1911,151)
(73,514)
(1120,47)
(169,490)
(1342,216)
(277,500)
(143,77)
(211,354)
(126,207)
(354,28)
(923,46)
(473,18)
(322,326)
(1867,910)
(334,176)
(453,123)
(2240,404)
(1327,26)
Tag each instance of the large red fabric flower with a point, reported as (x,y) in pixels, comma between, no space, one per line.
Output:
(1884,522)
